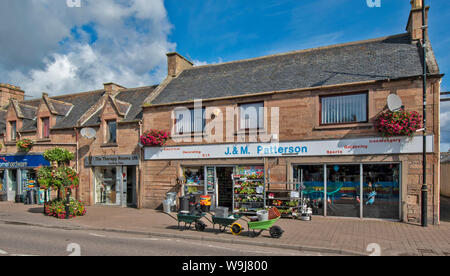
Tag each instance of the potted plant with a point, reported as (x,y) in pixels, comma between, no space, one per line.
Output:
(24,145)
(64,179)
(398,123)
(154,138)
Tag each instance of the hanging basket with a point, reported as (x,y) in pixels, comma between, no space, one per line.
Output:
(398,123)
(154,138)
(24,145)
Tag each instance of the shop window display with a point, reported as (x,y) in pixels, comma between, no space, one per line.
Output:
(2,182)
(343,190)
(194,180)
(106,186)
(313,180)
(381,191)
(12,179)
(248,189)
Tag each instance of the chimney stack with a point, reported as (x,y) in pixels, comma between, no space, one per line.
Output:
(176,64)
(8,92)
(415,23)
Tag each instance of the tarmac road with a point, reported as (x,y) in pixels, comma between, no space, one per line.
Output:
(23,240)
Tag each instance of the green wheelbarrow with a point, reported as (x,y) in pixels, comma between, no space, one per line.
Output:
(224,223)
(191,219)
(257,227)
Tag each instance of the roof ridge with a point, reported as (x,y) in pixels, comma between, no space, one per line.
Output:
(302,51)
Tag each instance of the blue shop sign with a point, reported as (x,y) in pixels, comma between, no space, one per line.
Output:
(23,161)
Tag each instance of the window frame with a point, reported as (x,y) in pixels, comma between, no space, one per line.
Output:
(43,127)
(192,123)
(258,126)
(108,132)
(366,93)
(11,130)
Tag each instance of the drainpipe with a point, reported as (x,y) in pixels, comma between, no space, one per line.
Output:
(424,153)
(139,183)
(76,161)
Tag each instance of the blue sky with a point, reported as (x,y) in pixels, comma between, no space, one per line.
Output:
(226,30)
(58,49)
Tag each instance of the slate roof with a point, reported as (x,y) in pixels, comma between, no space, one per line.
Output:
(379,59)
(70,108)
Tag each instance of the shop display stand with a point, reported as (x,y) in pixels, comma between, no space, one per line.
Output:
(286,197)
(248,194)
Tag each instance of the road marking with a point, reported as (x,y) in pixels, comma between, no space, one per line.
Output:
(3,252)
(97,235)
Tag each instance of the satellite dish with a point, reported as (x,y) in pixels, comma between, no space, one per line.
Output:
(88,133)
(394,102)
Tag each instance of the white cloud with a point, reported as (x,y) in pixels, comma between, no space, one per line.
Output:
(201,63)
(131,40)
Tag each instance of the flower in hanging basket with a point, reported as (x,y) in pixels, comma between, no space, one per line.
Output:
(24,145)
(154,138)
(398,123)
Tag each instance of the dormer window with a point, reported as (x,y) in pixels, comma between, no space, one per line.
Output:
(45,127)
(112,132)
(13,130)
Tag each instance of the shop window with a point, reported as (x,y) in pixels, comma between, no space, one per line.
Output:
(2,182)
(13,129)
(343,109)
(381,191)
(106,186)
(112,132)
(312,178)
(194,180)
(251,116)
(190,121)
(343,190)
(45,127)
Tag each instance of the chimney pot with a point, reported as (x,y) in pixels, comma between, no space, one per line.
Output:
(176,64)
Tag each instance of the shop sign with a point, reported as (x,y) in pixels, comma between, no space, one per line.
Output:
(112,160)
(362,146)
(22,161)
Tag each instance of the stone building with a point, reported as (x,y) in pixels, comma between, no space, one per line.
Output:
(313,112)
(101,127)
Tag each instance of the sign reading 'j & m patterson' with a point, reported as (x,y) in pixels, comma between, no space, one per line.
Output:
(23,161)
(363,146)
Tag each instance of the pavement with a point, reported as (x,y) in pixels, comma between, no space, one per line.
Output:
(340,236)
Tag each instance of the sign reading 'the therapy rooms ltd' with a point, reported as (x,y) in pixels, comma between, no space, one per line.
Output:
(362,146)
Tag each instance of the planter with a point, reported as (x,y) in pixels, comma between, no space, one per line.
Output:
(398,123)
(154,138)
(24,145)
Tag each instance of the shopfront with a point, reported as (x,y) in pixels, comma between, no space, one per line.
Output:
(115,179)
(223,183)
(17,173)
(352,190)
(375,186)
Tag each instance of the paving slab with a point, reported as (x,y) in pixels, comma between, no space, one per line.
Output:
(325,235)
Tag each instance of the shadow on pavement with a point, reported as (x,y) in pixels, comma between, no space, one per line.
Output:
(38,210)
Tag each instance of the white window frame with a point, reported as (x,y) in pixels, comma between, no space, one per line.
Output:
(248,110)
